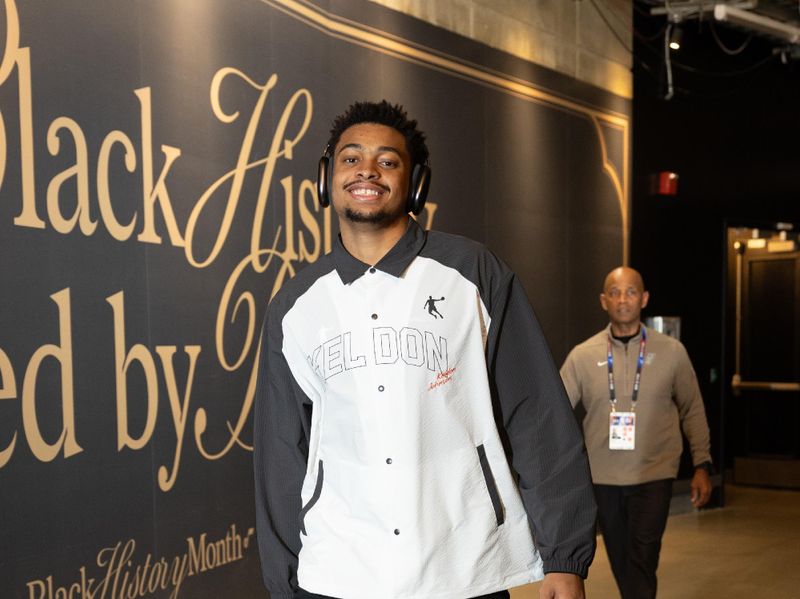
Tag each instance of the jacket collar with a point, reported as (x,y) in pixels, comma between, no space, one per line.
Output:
(394,262)
(635,339)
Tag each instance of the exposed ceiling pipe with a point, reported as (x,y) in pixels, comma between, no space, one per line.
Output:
(757,22)
(678,10)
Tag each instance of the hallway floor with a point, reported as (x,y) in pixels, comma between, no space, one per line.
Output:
(749,548)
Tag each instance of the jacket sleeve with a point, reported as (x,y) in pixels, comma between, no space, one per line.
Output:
(547,449)
(571,380)
(282,423)
(691,409)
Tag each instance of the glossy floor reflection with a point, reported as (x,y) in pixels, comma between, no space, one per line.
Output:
(749,548)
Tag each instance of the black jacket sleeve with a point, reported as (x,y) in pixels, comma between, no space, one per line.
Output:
(547,449)
(281,431)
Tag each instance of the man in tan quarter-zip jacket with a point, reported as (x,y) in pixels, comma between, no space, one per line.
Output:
(630,375)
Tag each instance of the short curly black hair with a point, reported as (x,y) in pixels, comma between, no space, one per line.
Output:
(382,113)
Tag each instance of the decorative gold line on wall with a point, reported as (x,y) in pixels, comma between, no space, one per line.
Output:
(375,39)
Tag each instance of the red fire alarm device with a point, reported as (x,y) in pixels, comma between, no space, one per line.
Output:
(665,183)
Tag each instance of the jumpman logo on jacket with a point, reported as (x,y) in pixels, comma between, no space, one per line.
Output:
(430,306)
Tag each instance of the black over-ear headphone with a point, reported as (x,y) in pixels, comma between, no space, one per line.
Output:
(417,189)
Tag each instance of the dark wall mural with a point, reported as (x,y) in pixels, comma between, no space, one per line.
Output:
(157,164)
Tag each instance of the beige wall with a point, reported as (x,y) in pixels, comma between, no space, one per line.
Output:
(569,36)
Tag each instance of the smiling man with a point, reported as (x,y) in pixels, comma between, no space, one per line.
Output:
(412,437)
(639,390)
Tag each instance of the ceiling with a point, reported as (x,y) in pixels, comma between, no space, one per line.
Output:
(756,56)
(776,20)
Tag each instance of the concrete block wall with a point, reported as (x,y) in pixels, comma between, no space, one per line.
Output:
(586,39)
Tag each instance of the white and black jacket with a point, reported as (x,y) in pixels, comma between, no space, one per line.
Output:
(412,436)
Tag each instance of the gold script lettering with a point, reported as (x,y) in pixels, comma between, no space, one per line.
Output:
(117,230)
(180,409)
(122,362)
(62,353)
(157,192)
(8,390)
(236,175)
(80,171)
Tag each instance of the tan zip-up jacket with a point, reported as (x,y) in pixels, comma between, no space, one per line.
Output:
(669,400)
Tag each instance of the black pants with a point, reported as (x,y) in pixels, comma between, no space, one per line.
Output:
(632,520)
(306,595)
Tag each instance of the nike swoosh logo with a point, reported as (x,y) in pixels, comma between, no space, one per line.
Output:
(602,363)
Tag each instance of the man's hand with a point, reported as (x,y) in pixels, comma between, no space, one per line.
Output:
(559,585)
(701,487)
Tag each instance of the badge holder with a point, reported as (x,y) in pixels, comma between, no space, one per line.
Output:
(622,425)
(622,430)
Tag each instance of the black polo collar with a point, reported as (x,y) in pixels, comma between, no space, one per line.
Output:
(394,262)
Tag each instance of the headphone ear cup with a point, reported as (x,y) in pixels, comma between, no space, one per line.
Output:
(418,190)
(323,181)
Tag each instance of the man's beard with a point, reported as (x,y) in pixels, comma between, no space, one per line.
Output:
(381,217)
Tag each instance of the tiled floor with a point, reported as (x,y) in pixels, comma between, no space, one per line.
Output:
(748,549)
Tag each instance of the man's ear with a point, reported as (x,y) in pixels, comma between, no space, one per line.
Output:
(603,302)
(645,298)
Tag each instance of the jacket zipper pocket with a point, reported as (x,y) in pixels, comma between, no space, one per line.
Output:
(313,500)
(491,485)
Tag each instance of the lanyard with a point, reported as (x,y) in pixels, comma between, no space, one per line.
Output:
(612,393)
